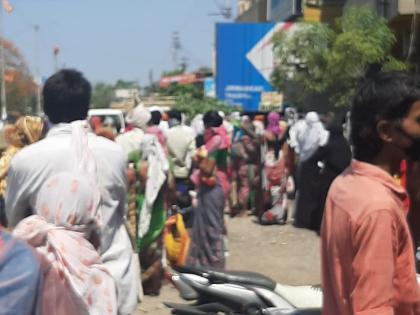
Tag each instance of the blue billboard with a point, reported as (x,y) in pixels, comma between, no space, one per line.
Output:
(209,87)
(244,62)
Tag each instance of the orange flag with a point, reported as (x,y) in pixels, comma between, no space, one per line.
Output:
(7,6)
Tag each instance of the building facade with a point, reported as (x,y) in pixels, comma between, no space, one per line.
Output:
(288,10)
(322,11)
(252,11)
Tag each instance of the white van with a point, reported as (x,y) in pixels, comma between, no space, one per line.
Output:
(112,118)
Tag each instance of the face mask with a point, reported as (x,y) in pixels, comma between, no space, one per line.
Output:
(413,151)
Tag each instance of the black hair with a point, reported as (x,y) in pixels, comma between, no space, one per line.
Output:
(156,117)
(175,114)
(66,96)
(382,96)
(212,119)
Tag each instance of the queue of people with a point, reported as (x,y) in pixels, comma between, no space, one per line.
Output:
(95,219)
(219,164)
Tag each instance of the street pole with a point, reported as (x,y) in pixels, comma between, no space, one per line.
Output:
(56,51)
(37,73)
(2,70)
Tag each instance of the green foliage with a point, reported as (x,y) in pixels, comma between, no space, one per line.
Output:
(317,58)
(102,95)
(122,84)
(182,89)
(192,106)
(171,73)
(190,100)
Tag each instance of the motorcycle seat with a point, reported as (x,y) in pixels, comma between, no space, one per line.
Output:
(242,277)
(238,277)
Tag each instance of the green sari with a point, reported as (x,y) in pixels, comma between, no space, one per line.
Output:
(150,246)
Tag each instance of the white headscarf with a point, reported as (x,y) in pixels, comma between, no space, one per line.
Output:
(139,116)
(311,136)
(197,125)
(158,165)
(68,212)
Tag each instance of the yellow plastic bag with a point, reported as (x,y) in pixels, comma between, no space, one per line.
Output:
(176,240)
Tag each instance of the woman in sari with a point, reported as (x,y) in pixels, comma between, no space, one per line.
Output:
(153,167)
(64,231)
(207,247)
(275,172)
(25,131)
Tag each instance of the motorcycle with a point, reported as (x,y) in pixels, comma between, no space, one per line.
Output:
(238,292)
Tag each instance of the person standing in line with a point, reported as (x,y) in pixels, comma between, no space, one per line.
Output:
(153,168)
(310,138)
(154,128)
(25,131)
(64,233)
(367,250)
(181,149)
(138,118)
(207,246)
(66,97)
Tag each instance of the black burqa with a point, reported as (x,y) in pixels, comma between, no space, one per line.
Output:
(313,179)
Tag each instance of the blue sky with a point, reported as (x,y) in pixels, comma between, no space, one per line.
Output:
(113,39)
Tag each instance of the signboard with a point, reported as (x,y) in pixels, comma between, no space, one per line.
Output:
(209,87)
(245,61)
(271,101)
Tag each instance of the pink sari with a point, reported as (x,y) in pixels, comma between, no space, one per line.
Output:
(217,139)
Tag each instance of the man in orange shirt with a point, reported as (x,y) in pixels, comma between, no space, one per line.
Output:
(368,263)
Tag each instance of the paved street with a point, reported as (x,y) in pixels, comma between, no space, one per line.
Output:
(286,254)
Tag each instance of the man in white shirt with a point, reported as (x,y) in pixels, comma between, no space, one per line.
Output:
(66,99)
(130,141)
(180,142)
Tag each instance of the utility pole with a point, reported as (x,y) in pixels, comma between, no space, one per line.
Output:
(37,72)
(176,47)
(56,51)
(2,70)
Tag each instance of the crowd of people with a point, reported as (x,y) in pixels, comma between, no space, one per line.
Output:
(93,218)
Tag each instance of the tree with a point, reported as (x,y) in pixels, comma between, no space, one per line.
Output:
(174,72)
(122,84)
(20,86)
(319,59)
(102,95)
(176,89)
(192,106)
(190,99)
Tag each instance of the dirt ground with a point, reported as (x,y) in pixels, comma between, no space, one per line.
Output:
(284,253)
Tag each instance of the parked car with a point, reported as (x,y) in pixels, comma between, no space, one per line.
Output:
(110,118)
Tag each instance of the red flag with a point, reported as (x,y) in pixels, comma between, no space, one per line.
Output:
(7,6)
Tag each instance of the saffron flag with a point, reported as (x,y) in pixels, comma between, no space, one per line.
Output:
(7,6)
